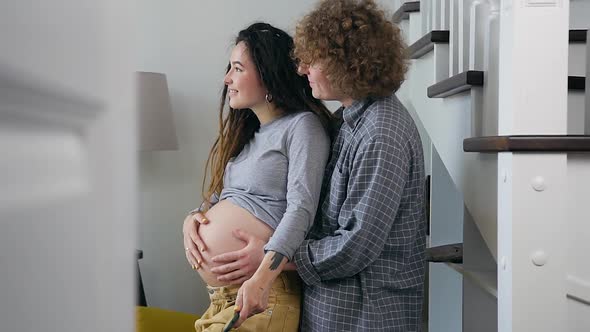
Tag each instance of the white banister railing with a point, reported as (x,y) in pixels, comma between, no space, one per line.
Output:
(520,48)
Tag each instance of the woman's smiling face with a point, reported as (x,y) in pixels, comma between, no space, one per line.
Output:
(245,89)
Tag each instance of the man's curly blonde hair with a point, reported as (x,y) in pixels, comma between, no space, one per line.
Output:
(362,52)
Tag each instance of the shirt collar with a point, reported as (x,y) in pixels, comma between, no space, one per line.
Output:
(353,113)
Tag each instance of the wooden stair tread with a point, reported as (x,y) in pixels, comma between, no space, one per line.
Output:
(456,84)
(449,253)
(528,143)
(576,83)
(403,13)
(426,43)
(578,36)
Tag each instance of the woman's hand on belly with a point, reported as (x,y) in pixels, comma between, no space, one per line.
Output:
(221,236)
(237,266)
(193,244)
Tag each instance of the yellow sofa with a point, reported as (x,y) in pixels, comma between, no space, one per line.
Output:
(151,319)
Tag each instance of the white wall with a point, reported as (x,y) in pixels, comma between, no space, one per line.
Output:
(190,42)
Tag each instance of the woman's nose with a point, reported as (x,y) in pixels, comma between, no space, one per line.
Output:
(227,79)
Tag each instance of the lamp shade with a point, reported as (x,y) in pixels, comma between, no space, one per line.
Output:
(156,124)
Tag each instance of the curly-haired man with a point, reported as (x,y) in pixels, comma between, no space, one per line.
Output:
(363,261)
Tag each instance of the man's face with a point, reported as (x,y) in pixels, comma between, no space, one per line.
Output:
(319,83)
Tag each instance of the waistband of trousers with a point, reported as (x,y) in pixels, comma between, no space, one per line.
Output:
(287,281)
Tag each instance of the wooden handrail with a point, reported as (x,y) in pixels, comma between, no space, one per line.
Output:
(456,84)
(426,43)
(528,143)
(450,253)
(403,12)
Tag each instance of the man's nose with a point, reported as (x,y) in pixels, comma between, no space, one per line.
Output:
(303,69)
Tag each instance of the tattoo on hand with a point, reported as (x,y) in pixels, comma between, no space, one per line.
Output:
(276,261)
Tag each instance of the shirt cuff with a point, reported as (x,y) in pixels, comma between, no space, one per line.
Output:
(270,247)
(304,265)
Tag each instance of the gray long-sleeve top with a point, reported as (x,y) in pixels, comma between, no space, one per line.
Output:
(278,175)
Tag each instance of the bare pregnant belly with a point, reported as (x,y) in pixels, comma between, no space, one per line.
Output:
(225,217)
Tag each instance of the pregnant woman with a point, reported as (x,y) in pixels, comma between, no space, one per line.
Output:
(266,170)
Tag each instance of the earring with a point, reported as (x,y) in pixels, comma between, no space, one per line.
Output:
(268,98)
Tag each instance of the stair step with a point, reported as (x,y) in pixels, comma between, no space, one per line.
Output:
(528,143)
(456,84)
(450,253)
(426,43)
(576,83)
(403,13)
(578,36)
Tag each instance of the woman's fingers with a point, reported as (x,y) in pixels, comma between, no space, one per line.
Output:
(196,239)
(228,257)
(198,219)
(252,299)
(242,235)
(239,307)
(233,273)
(189,249)
(232,277)
(238,281)
(195,256)
(242,263)
(193,249)
(227,268)
(247,305)
(191,240)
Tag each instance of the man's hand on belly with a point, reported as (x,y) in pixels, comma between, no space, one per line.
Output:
(238,266)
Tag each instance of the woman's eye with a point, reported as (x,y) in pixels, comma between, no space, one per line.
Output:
(239,70)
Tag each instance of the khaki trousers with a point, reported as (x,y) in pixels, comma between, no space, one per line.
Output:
(282,313)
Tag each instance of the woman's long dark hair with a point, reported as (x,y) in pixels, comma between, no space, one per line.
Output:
(271,51)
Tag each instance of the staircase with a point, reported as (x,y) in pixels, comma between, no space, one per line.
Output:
(498,91)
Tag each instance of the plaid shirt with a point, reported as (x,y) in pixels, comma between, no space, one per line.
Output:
(363,261)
